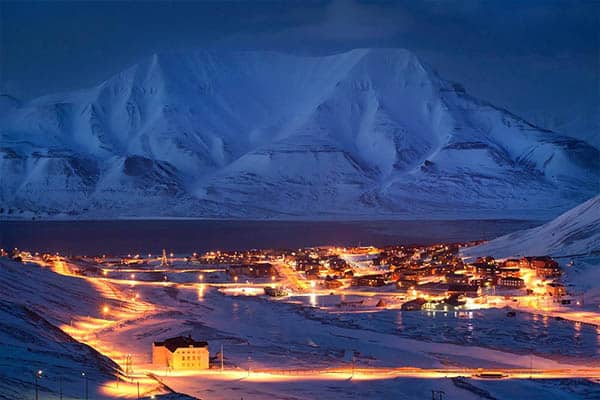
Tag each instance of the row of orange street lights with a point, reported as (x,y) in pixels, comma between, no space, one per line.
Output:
(105,310)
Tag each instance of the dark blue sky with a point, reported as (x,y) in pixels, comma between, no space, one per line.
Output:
(531,56)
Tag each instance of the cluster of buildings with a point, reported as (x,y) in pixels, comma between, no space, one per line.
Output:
(256,270)
(435,276)
(17,255)
(321,264)
(234,257)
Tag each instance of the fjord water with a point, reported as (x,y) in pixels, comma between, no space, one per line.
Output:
(186,236)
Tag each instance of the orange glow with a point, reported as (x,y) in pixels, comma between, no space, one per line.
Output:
(129,389)
(103,333)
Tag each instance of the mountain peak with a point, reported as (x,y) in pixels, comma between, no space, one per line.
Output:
(367,131)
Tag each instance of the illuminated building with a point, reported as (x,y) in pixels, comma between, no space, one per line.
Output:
(180,353)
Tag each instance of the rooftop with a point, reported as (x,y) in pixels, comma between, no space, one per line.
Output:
(180,341)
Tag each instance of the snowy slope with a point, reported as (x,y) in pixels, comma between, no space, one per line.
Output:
(29,343)
(574,233)
(365,133)
(34,302)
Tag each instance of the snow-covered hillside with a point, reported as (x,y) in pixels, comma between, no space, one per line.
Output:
(574,233)
(29,343)
(39,310)
(367,133)
(34,302)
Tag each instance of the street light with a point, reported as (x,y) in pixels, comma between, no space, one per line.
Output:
(37,376)
(86,384)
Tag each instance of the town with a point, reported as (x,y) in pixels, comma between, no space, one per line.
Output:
(428,279)
(432,278)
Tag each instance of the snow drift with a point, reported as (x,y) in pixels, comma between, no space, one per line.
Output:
(367,133)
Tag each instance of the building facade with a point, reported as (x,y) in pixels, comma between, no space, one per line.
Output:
(181,353)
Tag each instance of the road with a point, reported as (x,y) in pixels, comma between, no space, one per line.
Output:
(291,277)
(409,372)
(378,373)
(129,309)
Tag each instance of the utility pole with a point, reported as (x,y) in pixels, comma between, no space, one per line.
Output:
(163,260)
(60,389)
(86,384)
(36,376)
(531,365)
(221,357)
(138,389)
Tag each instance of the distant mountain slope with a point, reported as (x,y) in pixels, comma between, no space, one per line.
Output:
(367,133)
(576,232)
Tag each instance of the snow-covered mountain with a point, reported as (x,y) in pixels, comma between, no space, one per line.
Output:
(367,133)
(574,233)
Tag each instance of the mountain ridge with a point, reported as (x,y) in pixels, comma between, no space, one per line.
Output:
(356,134)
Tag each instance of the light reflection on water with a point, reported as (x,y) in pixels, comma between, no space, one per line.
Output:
(201,288)
(399,320)
(235,310)
(492,328)
(487,328)
(313,299)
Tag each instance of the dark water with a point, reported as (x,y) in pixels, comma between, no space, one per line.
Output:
(525,333)
(186,236)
